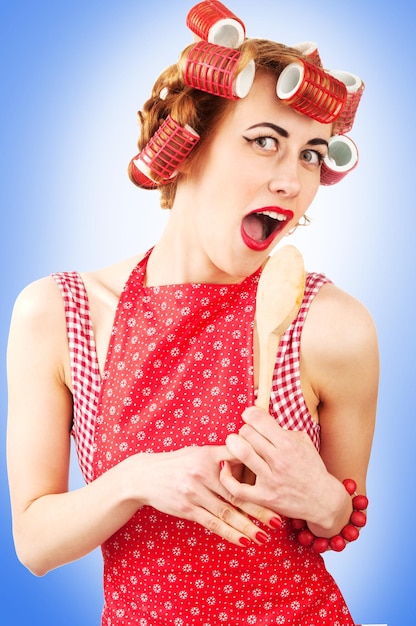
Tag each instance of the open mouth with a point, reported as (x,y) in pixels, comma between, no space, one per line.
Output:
(259,228)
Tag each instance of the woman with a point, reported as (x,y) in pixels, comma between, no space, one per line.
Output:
(152,365)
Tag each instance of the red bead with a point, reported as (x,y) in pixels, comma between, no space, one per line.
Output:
(350,485)
(350,532)
(320,545)
(358,518)
(305,537)
(298,524)
(360,503)
(337,543)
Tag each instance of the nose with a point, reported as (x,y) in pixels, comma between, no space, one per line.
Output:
(285,178)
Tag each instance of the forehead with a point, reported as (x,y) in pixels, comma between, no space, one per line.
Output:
(263,105)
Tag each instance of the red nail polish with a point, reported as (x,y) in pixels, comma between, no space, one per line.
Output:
(262,537)
(276,522)
(245,541)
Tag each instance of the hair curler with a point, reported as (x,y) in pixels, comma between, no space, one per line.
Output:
(213,69)
(310,50)
(160,159)
(312,91)
(342,158)
(212,21)
(355,88)
(138,177)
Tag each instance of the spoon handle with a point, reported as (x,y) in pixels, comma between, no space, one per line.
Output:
(267,359)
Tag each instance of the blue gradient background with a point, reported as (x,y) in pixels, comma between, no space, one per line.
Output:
(73,76)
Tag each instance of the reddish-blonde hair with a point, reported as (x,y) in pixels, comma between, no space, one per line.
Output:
(202,111)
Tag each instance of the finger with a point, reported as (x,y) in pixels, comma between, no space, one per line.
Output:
(259,443)
(244,499)
(286,445)
(262,514)
(237,490)
(221,454)
(264,423)
(239,493)
(241,449)
(226,521)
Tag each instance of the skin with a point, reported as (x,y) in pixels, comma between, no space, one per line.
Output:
(249,165)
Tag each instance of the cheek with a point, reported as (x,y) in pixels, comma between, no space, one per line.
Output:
(310,189)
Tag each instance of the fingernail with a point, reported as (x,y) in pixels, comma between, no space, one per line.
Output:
(276,522)
(262,537)
(245,541)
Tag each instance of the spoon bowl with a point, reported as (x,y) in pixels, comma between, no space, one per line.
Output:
(279,296)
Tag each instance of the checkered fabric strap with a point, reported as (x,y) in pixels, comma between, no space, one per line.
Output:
(287,403)
(86,378)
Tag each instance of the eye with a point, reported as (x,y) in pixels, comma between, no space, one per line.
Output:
(312,157)
(264,143)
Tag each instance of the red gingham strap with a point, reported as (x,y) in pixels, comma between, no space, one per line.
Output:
(86,378)
(287,403)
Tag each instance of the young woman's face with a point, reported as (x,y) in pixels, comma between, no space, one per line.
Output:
(259,174)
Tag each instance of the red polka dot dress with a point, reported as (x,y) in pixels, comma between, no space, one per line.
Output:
(179,372)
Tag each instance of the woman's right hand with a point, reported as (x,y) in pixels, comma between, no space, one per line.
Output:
(185,483)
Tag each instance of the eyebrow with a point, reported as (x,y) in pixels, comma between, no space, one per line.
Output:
(317,141)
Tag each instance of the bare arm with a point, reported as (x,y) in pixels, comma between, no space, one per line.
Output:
(53,526)
(339,369)
(347,390)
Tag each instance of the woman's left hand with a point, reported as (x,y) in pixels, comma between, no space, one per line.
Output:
(290,476)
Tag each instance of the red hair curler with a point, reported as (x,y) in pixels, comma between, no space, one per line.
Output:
(160,159)
(310,50)
(355,88)
(213,69)
(312,91)
(342,158)
(212,21)
(138,177)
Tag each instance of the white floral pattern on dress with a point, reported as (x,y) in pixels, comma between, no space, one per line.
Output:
(176,355)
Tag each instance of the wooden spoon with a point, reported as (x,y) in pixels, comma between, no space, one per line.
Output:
(279,296)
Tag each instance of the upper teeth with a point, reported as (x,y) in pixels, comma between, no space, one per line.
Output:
(274,215)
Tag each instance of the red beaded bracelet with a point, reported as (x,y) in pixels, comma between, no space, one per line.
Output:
(350,532)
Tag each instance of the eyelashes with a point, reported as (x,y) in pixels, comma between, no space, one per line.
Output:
(317,153)
(270,145)
(264,142)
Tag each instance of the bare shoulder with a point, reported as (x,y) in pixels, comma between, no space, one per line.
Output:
(339,342)
(338,323)
(38,327)
(38,304)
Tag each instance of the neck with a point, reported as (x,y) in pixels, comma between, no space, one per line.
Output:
(175,263)
(181,257)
